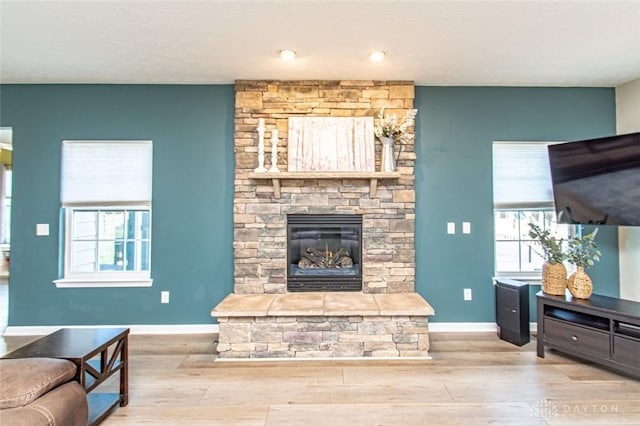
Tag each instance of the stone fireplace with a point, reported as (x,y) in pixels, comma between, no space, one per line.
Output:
(362,299)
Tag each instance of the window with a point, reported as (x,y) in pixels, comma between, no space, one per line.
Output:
(106,205)
(522,194)
(6,161)
(5,204)
(516,253)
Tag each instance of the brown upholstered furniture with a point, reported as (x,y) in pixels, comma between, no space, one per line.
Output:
(41,391)
(98,353)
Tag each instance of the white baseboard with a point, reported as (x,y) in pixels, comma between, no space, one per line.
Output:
(434,327)
(454,327)
(469,327)
(133,329)
(334,359)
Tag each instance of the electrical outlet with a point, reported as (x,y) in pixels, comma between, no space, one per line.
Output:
(467,294)
(164,297)
(42,229)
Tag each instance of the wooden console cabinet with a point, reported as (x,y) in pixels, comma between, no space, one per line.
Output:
(602,329)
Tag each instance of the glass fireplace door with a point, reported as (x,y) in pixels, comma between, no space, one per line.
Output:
(324,252)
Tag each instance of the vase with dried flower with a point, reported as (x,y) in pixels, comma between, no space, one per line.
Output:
(584,253)
(554,273)
(389,130)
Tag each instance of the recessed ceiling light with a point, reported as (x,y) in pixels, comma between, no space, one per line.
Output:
(287,54)
(377,56)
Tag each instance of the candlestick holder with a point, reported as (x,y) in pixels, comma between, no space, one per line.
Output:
(260,129)
(274,151)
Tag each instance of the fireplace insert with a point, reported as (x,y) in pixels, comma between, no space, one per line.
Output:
(324,252)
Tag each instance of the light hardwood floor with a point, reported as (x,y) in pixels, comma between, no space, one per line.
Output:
(4,306)
(473,379)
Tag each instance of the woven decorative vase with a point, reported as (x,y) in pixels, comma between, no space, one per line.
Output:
(554,278)
(580,284)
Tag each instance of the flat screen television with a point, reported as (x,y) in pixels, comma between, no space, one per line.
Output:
(597,181)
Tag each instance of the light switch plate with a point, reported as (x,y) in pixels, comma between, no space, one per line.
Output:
(467,294)
(42,229)
(451,227)
(466,227)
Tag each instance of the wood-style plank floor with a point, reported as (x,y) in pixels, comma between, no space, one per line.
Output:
(473,379)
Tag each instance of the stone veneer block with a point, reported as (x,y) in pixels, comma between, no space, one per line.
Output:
(293,304)
(349,304)
(403,91)
(403,304)
(249,100)
(241,305)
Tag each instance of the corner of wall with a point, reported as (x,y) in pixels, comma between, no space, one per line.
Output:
(628,121)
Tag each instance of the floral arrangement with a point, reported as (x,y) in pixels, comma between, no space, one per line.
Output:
(583,251)
(389,126)
(551,246)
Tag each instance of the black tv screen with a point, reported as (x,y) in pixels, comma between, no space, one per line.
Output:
(597,181)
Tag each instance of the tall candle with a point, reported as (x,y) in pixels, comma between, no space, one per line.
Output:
(260,122)
(274,134)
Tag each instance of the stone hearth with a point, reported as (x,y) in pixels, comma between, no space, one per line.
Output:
(311,325)
(321,324)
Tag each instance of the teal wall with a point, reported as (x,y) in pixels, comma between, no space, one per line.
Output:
(192,131)
(454,130)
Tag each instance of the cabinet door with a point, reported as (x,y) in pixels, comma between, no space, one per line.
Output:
(507,308)
(626,351)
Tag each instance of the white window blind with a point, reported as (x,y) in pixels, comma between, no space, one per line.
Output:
(106,172)
(521,175)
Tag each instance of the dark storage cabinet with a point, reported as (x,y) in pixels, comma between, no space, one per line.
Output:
(512,311)
(602,329)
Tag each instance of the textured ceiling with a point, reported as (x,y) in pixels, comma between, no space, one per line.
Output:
(505,43)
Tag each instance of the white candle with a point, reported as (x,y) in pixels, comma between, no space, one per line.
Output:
(274,134)
(260,122)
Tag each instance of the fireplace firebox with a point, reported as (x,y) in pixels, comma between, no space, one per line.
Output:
(324,252)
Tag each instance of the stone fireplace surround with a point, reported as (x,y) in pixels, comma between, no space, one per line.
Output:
(260,319)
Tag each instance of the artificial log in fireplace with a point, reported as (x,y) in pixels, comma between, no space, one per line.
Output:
(324,252)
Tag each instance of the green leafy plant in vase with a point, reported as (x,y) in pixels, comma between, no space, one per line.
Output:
(584,253)
(554,273)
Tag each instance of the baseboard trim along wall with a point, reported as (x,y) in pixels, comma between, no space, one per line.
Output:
(434,327)
(134,329)
(469,327)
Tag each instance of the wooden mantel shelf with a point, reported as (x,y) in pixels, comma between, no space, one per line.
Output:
(372,177)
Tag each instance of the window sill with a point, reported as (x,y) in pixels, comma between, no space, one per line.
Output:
(98,283)
(530,279)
